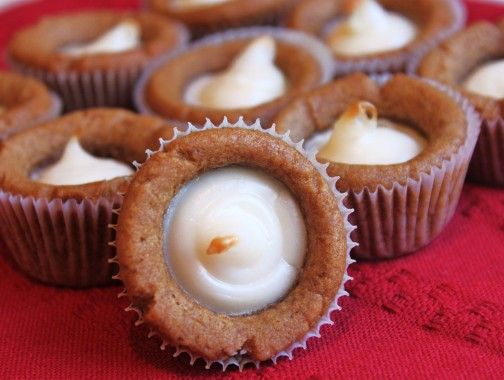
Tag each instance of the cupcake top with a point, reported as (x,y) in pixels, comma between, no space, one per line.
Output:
(358,137)
(377,35)
(24,102)
(369,29)
(247,283)
(77,167)
(251,79)
(247,72)
(206,16)
(83,155)
(95,40)
(477,72)
(414,139)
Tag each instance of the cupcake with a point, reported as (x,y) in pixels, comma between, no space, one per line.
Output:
(207,16)
(24,102)
(401,147)
(93,58)
(376,36)
(250,72)
(265,249)
(478,73)
(59,188)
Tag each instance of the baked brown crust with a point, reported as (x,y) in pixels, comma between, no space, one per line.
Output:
(114,133)
(175,315)
(37,45)
(164,89)
(430,16)
(404,99)
(211,18)
(26,102)
(452,62)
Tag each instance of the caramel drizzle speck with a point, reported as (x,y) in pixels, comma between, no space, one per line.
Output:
(221,244)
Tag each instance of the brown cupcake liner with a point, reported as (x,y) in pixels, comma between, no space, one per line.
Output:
(487,164)
(392,222)
(100,88)
(404,61)
(311,44)
(60,242)
(52,113)
(241,360)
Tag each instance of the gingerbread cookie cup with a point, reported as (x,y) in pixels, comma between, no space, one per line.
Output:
(274,330)
(304,61)
(24,102)
(451,64)
(208,18)
(92,79)
(435,20)
(399,208)
(59,234)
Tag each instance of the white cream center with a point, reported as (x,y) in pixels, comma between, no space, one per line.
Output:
(76,167)
(196,3)
(358,137)
(235,240)
(122,37)
(487,80)
(251,79)
(371,29)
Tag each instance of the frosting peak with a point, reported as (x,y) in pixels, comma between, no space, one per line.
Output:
(370,29)
(251,79)
(358,137)
(122,37)
(76,167)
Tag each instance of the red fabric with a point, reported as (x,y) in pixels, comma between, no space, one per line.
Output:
(437,313)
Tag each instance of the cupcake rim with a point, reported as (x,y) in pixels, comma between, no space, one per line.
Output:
(55,62)
(299,39)
(397,59)
(17,181)
(240,359)
(381,172)
(8,123)
(482,103)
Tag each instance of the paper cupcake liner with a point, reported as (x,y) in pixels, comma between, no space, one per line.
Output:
(312,45)
(241,359)
(395,221)
(95,88)
(407,60)
(52,113)
(487,164)
(60,242)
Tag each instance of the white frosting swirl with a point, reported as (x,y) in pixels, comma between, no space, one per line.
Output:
(370,29)
(124,36)
(235,240)
(358,137)
(251,79)
(76,167)
(487,80)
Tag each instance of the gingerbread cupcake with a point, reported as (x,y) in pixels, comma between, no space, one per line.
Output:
(377,36)
(59,186)
(401,147)
(208,16)
(93,58)
(24,102)
(250,72)
(265,249)
(478,73)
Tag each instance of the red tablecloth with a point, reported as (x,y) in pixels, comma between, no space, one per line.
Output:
(437,313)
